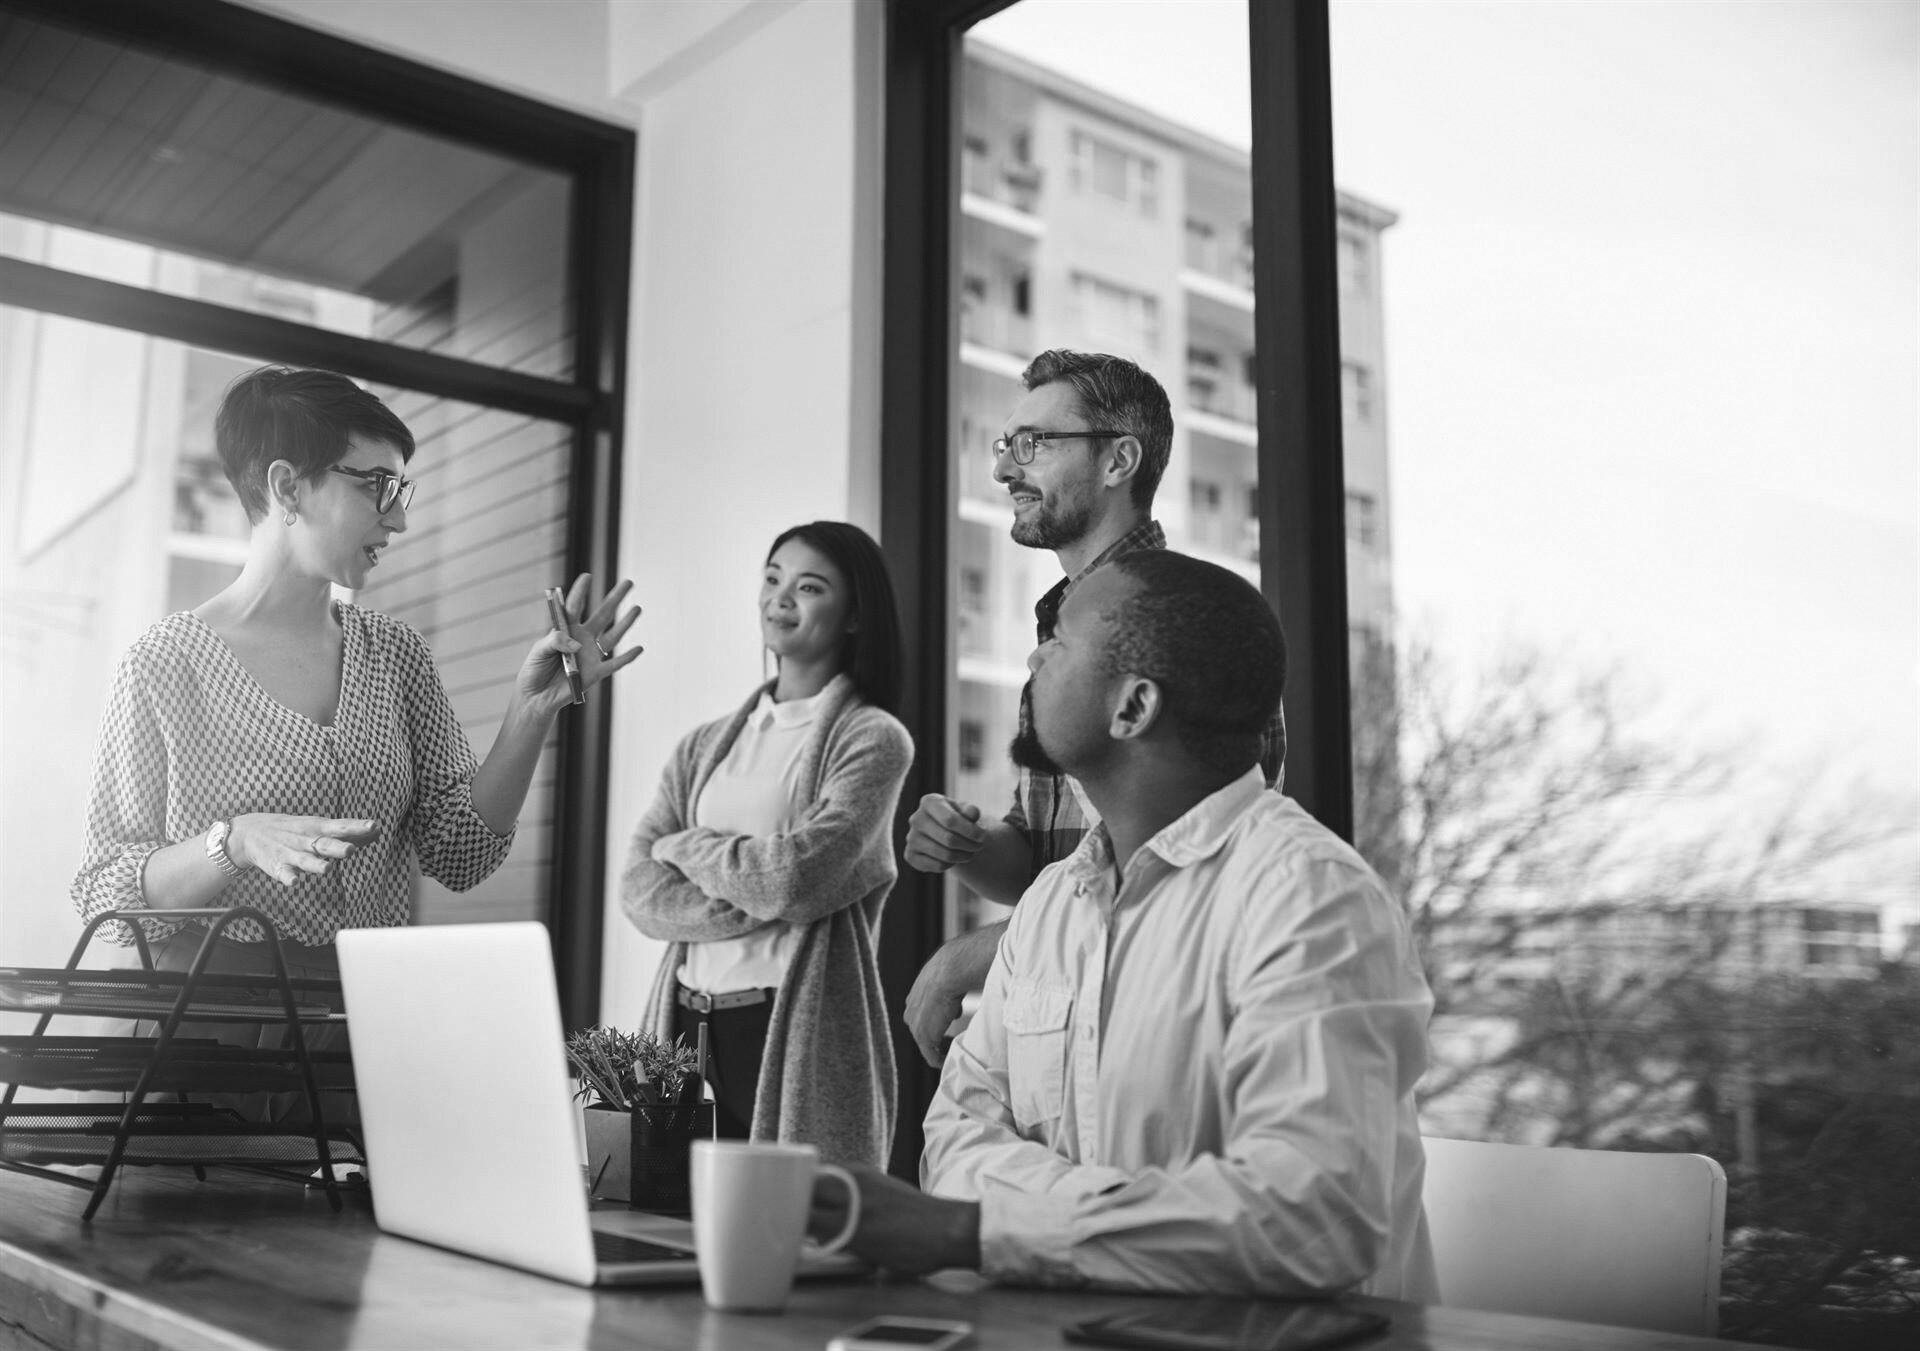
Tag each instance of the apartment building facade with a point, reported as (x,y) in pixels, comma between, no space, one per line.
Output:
(1088,222)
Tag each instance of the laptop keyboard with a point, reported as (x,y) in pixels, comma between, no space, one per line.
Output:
(620,1248)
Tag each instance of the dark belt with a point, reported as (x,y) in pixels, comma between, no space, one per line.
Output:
(707,1003)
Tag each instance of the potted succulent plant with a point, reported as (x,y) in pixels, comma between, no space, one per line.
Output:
(643,1113)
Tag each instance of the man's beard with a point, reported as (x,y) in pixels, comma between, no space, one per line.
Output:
(1053,525)
(1025,749)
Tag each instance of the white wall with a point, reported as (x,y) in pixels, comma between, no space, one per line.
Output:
(745,330)
(753,398)
(551,49)
(654,44)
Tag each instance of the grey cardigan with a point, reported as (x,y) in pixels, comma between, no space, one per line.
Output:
(827,1077)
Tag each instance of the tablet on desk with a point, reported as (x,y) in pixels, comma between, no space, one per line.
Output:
(1231,1325)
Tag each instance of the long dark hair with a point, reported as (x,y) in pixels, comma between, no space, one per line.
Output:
(871,654)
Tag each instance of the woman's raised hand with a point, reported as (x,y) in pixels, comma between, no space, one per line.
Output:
(593,636)
(284,847)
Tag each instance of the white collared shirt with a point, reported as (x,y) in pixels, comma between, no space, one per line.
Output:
(754,791)
(1203,1082)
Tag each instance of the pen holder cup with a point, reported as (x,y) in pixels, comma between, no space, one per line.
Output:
(660,1168)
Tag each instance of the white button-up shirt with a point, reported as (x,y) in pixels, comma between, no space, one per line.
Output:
(1203,1081)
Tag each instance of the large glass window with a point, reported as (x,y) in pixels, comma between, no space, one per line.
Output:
(1122,211)
(1059,136)
(170,220)
(1626,381)
(1636,727)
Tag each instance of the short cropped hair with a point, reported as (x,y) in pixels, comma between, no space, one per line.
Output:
(1212,644)
(303,417)
(871,654)
(1115,394)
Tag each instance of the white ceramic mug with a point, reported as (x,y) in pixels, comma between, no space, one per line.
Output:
(750,1204)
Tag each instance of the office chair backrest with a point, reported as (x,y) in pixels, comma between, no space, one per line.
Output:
(1597,1236)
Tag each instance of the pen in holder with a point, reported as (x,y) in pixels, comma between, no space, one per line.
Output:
(557,616)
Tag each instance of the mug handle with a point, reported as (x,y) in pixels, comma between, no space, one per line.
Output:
(845,1179)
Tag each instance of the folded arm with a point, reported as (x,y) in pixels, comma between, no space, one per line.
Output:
(658,898)
(839,851)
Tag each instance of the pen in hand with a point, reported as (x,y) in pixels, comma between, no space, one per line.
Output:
(557,615)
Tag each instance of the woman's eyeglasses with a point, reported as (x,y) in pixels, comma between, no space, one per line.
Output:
(1021,445)
(388,486)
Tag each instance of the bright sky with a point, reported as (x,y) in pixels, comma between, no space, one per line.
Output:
(1653,328)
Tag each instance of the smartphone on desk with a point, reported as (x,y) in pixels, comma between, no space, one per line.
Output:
(1231,1325)
(895,1333)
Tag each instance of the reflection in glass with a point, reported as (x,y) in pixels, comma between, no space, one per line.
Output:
(205,507)
(276,203)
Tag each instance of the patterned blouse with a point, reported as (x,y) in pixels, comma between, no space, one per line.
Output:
(190,738)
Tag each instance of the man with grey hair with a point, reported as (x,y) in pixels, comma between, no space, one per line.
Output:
(1081,456)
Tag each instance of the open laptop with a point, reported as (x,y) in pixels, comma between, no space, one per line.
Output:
(471,1133)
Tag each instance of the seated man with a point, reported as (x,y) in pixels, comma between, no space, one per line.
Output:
(1194,1060)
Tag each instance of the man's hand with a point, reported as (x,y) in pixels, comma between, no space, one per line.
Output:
(943,834)
(901,1228)
(960,966)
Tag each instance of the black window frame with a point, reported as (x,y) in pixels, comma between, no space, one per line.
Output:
(598,158)
(1301,478)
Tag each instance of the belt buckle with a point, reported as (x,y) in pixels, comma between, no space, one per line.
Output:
(700,1001)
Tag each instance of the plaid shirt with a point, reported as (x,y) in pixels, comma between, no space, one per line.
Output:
(1047,807)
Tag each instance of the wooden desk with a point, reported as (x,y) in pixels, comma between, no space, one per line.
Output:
(243,1263)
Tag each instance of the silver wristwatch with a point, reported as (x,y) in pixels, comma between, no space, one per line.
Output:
(217,848)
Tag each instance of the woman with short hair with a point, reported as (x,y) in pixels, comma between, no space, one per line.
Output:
(280,749)
(767,856)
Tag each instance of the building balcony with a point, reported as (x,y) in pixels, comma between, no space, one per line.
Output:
(1204,423)
(995,339)
(1208,257)
(1224,534)
(1219,271)
(1006,181)
(1229,399)
(996,327)
(1237,550)
(1003,193)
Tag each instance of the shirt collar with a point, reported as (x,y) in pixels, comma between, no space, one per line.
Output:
(1197,833)
(1046,610)
(787,714)
(1204,827)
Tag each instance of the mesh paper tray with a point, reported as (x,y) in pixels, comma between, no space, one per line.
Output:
(218,997)
(191,1065)
(44,1134)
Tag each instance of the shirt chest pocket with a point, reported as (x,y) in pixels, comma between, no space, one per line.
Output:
(1038,1020)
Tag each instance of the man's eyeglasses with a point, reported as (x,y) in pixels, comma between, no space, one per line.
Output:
(1021,445)
(388,487)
